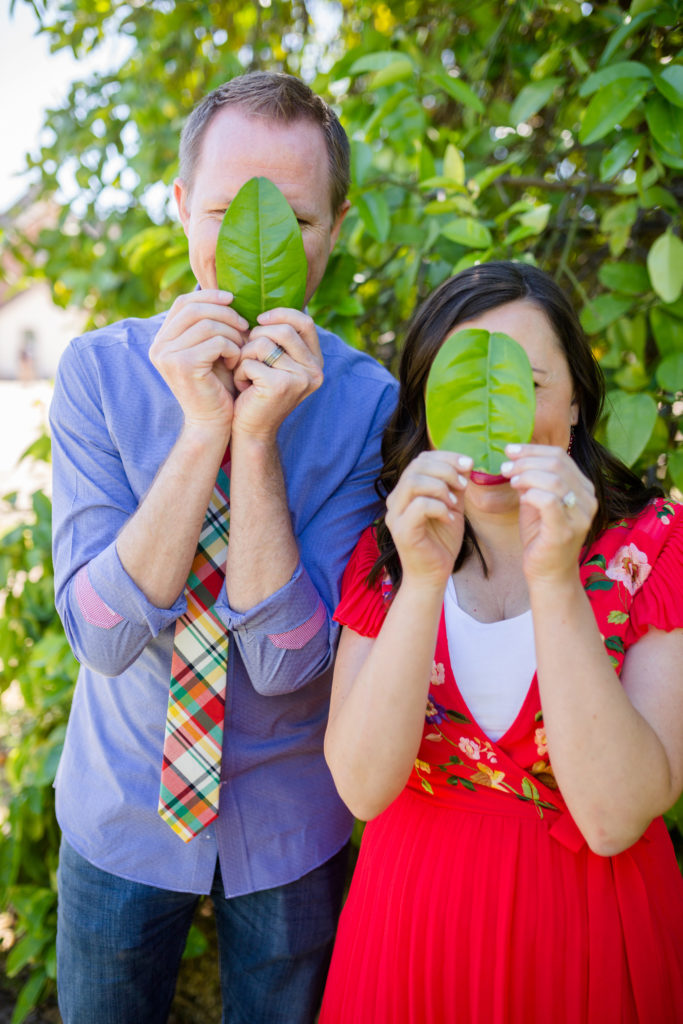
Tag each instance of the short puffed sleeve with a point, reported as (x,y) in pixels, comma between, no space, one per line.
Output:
(363,607)
(658,602)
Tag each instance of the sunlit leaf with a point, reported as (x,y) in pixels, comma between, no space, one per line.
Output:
(377,61)
(467,231)
(480,396)
(536,218)
(665,266)
(396,71)
(454,165)
(260,254)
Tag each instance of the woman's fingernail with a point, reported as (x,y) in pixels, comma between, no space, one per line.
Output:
(263,318)
(465,462)
(462,480)
(506,468)
(513,449)
(453,497)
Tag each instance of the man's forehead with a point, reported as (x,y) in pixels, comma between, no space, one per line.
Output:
(238,146)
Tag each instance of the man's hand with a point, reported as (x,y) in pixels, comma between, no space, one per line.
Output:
(267,394)
(196,352)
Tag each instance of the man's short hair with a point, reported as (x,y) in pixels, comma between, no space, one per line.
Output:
(282,98)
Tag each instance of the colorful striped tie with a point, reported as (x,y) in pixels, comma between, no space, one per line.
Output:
(190,774)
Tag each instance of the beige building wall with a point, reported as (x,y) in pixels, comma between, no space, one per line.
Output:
(33,334)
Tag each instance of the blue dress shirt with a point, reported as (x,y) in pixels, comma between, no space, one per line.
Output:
(114,421)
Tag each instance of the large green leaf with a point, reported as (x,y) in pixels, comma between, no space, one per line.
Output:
(480,396)
(610,106)
(630,423)
(260,254)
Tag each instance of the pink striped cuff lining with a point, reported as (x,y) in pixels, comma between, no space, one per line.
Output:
(93,609)
(297,638)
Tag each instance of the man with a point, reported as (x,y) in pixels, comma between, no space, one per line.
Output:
(143,415)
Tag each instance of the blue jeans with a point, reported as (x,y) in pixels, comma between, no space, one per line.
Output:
(119,945)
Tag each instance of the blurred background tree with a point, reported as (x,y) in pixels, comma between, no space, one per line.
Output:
(540,130)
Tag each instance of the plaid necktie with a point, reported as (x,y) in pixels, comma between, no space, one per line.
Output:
(190,774)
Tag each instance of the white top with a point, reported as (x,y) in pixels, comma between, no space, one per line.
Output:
(493,663)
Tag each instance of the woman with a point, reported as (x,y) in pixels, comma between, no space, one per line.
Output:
(516,867)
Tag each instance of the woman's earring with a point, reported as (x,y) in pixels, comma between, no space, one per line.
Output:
(571,439)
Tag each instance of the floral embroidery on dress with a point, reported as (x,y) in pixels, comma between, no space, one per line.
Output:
(482,774)
(604,577)
(485,776)
(543,771)
(541,741)
(423,766)
(438,676)
(665,511)
(519,766)
(630,567)
(436,713)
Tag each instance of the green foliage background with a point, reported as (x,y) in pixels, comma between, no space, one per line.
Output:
(541,130)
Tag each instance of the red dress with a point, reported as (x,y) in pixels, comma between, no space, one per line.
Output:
(476,899)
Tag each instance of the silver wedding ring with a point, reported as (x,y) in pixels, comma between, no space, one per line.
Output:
(274,356)
(569,500)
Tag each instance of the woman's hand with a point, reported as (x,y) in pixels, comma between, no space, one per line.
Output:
(557,506)
(425,514)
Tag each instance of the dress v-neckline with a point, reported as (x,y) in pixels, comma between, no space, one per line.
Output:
(531,698)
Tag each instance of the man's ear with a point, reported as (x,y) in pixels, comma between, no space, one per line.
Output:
(181,195)
(338,221)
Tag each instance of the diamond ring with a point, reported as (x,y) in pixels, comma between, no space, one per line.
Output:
(569,500)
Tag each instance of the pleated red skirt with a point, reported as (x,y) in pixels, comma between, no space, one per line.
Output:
(464,916)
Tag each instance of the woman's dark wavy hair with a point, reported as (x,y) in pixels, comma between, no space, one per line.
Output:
(619,492)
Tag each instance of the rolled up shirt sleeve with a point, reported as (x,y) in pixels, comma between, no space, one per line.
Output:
(287,640)
(106,617)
